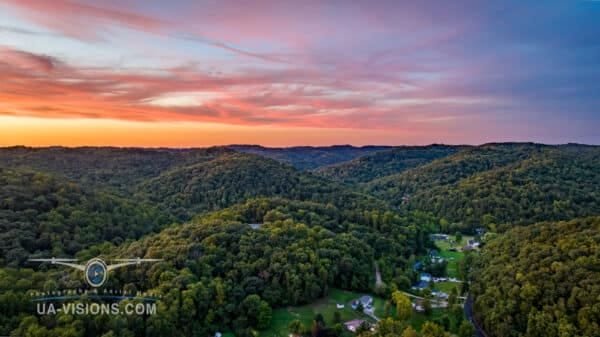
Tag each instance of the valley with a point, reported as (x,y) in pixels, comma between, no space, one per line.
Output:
(272,242)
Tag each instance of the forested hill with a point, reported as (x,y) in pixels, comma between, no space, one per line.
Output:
(42,214)
(385,163)
(119,168)
(501,184)
(236,177)
(218,263)
(309,157)
(541,280)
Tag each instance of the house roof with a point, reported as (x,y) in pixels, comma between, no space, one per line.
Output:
(421,285)
(355,323)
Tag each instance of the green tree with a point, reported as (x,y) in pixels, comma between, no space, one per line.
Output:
(466,329)
(458,237)
(296,327)
(430,329)
(403,306)
(409,332)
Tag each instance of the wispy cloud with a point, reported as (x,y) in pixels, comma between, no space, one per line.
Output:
(82,20)
(394,65)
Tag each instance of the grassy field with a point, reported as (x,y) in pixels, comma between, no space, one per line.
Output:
(453,257)
(325,306)
(447,286)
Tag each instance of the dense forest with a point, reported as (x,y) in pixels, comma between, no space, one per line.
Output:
(499,185)
(233,178)
(541,280)
(244,230)
(218,261)
(41,214)
(309,157)
(385,163)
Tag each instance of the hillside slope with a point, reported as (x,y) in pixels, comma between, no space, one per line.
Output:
(309,157)
(541,280)
(235,177)
(385,163)
(501,185)
(42,214)
(118,168)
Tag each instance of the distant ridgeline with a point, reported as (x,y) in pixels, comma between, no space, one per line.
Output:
(321,217)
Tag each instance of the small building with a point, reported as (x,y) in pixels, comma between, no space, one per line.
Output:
(418,306)
(425,277)
(366,302)
(255,225)
(421,285)
(473,243)
(340,306)
(439,237)
(354,324)
(440,294)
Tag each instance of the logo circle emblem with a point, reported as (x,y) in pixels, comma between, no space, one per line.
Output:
(96,272)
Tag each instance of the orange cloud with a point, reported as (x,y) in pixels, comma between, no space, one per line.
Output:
(34,85)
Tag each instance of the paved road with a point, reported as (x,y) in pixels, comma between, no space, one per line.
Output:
(371,313)
(469,313)
(378,280)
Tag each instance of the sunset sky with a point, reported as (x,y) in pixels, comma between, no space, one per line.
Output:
(280,73)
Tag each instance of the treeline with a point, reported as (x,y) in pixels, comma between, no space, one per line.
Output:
(121,169)
(541,280)
(310,157)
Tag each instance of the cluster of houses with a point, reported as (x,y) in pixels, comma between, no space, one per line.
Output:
(471,244)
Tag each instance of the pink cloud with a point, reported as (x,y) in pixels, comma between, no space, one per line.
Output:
(22,59)
(80,20)
(43,86)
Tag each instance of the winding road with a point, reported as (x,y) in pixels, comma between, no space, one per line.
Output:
(469,313)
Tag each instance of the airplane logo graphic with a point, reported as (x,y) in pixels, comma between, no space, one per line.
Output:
(95,271)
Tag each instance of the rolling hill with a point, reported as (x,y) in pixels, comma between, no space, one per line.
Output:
(236,177)
(385,163)
(309,157)
(501,184)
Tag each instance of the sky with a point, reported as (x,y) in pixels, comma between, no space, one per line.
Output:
(281,73)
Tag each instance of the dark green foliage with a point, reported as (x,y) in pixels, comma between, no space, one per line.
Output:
(44,215)
(501,185)
(541,280)
(234,178)
(308,157)
(308,233)
(385,163)
(119,168)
